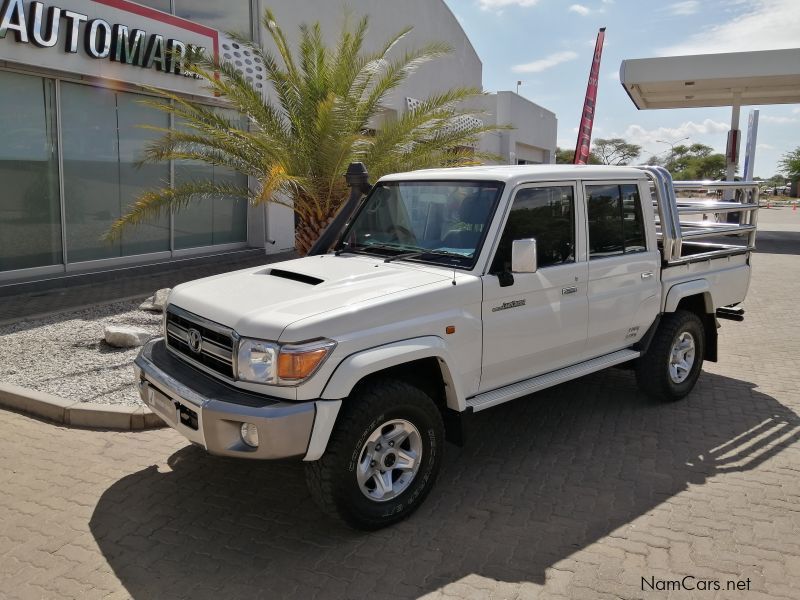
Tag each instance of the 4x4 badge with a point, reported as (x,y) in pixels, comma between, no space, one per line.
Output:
(507,305)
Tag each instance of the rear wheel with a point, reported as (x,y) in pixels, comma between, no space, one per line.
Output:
(672,364)
(382,458)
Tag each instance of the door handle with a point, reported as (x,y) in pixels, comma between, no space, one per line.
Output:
(569,290)
(647,275)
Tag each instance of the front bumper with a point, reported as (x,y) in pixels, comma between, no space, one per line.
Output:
(210,413)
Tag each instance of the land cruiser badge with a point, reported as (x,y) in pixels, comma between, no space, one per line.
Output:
(507,305)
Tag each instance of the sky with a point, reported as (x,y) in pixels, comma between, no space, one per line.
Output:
(548,44)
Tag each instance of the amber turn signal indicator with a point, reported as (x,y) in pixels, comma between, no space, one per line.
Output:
(299,365)
(450,329)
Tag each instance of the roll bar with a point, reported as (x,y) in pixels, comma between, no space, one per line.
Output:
(672,229)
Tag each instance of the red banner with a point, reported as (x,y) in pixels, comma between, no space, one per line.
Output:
(587,118)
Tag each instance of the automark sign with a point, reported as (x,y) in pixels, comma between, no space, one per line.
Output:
(103,38)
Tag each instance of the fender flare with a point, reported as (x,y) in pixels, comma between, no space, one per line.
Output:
(697,287)
(355,367)
(680,291)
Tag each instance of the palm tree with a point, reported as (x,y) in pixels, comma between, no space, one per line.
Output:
(321,115)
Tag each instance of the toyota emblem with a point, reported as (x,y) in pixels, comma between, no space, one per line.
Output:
(195,340)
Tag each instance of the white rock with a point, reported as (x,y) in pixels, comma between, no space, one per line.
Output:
(160,298)
(157,301)
(125,337)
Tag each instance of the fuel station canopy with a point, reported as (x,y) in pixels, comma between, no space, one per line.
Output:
(731,79)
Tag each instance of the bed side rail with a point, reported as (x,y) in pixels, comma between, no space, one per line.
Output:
(700,212)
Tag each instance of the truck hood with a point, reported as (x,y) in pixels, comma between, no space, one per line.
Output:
(261,302)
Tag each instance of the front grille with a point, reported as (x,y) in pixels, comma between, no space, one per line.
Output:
(214,349)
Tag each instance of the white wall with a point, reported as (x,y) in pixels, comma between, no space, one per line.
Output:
(533,137)
(432,22)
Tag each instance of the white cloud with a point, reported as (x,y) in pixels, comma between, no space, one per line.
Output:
(501,4)
(639,135)
(614,76)
(545,63)
(766,25)
(777,120)
(688,7)
(765,147)
(580,9)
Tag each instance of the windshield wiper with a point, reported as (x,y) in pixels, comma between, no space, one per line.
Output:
(348,247)
(423,253)
(344,247)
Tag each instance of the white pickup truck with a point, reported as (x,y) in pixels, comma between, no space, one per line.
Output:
(449,291)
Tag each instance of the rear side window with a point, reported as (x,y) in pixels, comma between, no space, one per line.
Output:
(615,220)
(544,213)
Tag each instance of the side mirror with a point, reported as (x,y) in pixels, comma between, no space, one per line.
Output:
(523,256)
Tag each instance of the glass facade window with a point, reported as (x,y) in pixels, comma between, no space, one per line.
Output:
(209,221)
(102,141)
(30,212)
(232,16)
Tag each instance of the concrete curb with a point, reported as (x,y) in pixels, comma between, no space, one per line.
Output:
(77,414)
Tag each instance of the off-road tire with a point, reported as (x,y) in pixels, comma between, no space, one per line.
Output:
(652,369)
(332,479)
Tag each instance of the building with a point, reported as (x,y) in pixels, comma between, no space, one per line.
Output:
(73,73)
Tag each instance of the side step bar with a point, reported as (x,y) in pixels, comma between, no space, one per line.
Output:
(535,384)
(733,314)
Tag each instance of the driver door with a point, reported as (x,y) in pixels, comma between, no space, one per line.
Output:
(538,323)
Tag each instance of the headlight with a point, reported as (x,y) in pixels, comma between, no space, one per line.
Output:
(257,361)
(288,364)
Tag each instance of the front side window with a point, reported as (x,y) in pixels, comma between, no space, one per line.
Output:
(615,220)
(546,214)
(442,222)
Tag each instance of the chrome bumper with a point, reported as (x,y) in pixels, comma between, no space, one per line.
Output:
(210,413)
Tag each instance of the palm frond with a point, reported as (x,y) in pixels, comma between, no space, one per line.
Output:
(157,202)
(295,143)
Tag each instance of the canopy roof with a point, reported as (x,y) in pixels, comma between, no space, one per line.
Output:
(764,77)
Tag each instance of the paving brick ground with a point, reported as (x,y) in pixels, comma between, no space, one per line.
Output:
(579,492)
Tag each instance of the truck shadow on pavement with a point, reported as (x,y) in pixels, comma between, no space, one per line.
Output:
(538,480)
(778,242)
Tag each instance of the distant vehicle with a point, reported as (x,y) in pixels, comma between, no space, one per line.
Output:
(450,291)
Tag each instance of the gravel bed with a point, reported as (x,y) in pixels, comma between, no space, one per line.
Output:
(65,354)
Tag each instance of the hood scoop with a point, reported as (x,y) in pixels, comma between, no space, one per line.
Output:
(308,279)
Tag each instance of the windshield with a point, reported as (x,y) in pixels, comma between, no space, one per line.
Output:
(440,222)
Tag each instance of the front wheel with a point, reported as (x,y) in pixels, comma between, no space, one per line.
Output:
(669,369)
(382,458)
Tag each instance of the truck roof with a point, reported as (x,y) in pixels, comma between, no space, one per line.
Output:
(520,173)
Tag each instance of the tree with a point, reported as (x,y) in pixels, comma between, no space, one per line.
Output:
(327,101)
(697,161)
(776,180)
(615,151)
(564,156)
(790,164)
